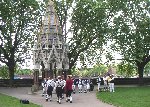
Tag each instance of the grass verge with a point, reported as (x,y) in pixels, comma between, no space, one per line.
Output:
(127,97)
(8,101)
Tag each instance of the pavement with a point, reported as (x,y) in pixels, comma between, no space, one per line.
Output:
(79,99)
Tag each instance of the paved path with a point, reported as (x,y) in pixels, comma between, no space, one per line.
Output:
(79,100)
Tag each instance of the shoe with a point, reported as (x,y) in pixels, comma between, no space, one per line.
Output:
(70,101)
(46,99)
(59,102)
(66,100)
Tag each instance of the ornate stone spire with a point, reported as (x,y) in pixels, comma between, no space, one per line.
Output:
(50,47)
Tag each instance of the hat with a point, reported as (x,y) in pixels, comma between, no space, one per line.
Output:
(112,74)
(59,77)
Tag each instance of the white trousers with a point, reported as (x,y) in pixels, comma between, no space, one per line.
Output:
(80,88)
(98,87)
(111,86)
(88,86)
(73,87)
(44,90)
(85,88)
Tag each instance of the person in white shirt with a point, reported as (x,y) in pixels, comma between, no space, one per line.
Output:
(44,87)
(105,83)
(85,85)
(59,86)
(74,85)
(63,87)
(80,85)
(50,86)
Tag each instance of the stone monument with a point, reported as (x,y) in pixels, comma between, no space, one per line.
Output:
(50,48)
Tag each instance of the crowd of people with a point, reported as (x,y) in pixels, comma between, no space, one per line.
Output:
(67,87)
(60,86)
(108,83)
(70,85)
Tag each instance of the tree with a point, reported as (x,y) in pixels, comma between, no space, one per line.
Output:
(126,69)
(4,72)
(18,22)
(23,72)
(130,30)
(147,69)
(99,69)
(88,19)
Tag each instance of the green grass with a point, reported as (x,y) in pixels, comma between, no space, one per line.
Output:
(127,97)
(8,101)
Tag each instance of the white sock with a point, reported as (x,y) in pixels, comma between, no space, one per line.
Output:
(70,98)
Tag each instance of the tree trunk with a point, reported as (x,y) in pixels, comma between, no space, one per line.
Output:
(11,75)
(68,72)
(36,80)
(71,65)
(43,74)
(140,72)
(65,74)
(43,70)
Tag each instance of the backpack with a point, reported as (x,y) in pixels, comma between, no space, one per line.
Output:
(24,101)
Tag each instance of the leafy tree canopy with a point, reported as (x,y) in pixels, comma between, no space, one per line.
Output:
(130,30)
(19,21)
(88,19)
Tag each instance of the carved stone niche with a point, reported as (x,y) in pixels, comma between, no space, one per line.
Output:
(47,66)
(36,66)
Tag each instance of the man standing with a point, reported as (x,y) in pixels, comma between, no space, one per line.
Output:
(68,87)
(105,83)
(88,85)
(85,85)
(111,83)
(91,85)
(74,85)
(99,83)
(80,85)
(44,86)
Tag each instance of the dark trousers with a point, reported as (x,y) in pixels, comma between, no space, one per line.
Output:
(49,90)
(59,92)
(49,93)
(68,93)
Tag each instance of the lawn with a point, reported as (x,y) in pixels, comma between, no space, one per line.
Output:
(8,101)
(127,97)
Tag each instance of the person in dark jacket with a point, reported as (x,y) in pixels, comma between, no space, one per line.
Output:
(91,85)
(99,83)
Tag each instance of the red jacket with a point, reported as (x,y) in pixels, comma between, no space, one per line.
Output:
(69,83)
